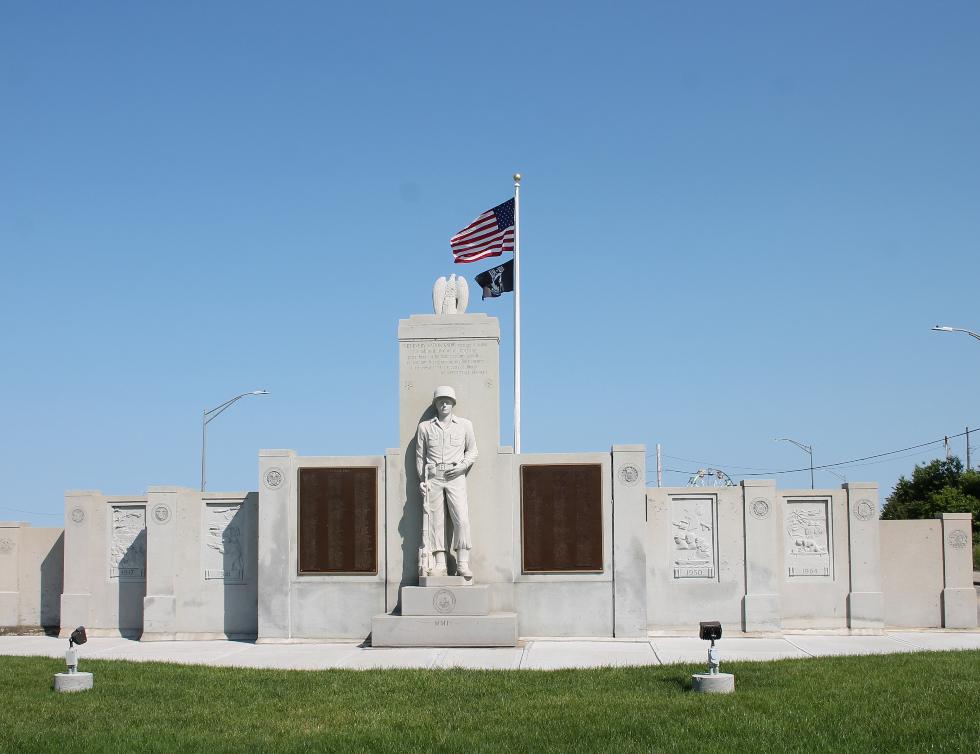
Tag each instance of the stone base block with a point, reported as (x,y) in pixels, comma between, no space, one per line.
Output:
(159,614)
(959,608)
(761,612)
(494,630)
(866,610)
(66,682)
(8,605)
(440,600)
(444,581)
(713,683)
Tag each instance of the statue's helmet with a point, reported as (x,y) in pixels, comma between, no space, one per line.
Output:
(444,391)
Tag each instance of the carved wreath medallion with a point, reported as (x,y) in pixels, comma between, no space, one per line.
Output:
(274,478)
(161,513)
(444,601)
(6,545)
(78,515)
(629,474)
(760,508)
(957,539)
(864,510)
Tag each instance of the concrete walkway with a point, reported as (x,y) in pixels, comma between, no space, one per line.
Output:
(533,654)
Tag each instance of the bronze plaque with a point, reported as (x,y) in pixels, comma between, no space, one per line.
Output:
(561,517)
(338,516)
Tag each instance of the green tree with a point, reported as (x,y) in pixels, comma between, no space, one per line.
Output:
(940,486)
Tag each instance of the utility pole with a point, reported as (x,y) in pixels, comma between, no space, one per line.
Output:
(967,448)
(660,466)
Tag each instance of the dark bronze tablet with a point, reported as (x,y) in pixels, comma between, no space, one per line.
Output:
(338,515)
(561,518)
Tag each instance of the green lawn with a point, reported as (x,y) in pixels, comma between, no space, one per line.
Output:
(913,702)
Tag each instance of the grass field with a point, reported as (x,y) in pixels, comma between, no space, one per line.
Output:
(910,702)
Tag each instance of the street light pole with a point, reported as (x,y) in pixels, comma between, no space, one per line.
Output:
(801,446)
(214,413)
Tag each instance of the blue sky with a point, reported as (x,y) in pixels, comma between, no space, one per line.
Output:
(740,222)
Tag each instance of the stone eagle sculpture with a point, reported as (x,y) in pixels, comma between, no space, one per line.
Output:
(450,295)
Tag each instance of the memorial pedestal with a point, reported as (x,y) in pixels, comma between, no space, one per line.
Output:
(445,616)
(493,630)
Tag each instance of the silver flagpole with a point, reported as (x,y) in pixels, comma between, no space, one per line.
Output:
(517,313)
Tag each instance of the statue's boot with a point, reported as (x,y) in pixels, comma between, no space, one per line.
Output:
(463,564)
(440,567)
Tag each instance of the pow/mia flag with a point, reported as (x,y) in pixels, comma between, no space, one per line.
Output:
(497,280)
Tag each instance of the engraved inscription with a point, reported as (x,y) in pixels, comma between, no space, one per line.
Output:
(694,553)
(338,520)
(760,508)
(450,358)
(224,556)
(807,538)
(127,547)
(6,546)
(78,515)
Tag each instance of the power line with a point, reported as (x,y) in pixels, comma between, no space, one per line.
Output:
(30,513)
(823,466)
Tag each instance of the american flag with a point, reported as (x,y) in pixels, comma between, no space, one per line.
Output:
(490,235)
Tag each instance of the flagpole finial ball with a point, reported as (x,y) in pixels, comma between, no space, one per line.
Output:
(517,177)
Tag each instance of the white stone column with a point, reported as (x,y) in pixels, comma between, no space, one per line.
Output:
(9,573)
(462,351)
(401,566)
(277,480)
(160,603)
(959,595)
(81,509)
(865,601)
(629,541)
(763,519)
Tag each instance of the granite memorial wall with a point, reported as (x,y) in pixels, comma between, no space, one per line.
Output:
(557,544)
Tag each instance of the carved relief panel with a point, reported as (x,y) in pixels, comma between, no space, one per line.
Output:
(224,543)
(127,543)
(807,539)
(694,542)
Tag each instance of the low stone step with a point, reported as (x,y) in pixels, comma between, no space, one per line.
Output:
(443,600)
(444,581)
(493,630)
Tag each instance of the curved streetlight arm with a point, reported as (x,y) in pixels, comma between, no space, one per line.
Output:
(801,446)
(805,449)
(218,410)
(947,328)
(214,413)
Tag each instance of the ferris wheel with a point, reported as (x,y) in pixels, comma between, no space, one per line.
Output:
(710,478)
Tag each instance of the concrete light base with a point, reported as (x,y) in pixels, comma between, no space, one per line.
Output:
(713,683)
(67,682)
(494,630)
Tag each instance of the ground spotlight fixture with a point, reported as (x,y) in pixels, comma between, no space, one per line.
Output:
(71,656)
(711,631)
(77,637)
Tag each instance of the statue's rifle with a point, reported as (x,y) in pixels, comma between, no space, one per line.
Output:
(425,552)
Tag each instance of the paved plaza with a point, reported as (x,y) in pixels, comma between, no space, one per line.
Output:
(536,654)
